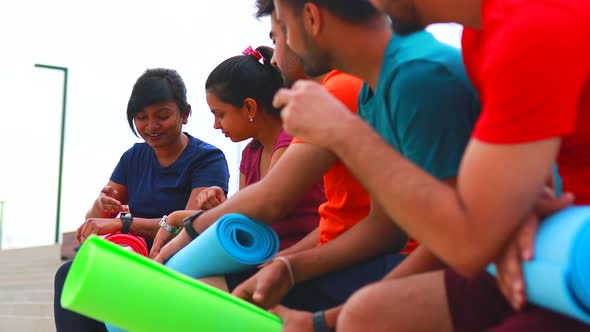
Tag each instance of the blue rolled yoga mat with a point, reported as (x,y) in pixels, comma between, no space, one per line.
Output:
(558,278)
(234,243)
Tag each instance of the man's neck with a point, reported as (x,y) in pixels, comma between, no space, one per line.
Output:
(465,12)
(363,49)
(320,79)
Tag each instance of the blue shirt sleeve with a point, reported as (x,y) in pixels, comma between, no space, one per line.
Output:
(211,170)
(120,173)
(437,111)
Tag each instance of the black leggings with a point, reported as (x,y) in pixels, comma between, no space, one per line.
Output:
(66,320)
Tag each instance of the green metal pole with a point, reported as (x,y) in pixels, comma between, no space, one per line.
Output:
(1,218)
(61,143)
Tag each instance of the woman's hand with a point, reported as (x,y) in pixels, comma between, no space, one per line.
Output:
(107,203)
(167,251)
(99,226)
(210,197)
(175,219)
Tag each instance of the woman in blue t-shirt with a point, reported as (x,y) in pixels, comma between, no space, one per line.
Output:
(239,93)
(154,178)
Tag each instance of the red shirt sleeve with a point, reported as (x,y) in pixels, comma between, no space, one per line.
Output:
(529,74)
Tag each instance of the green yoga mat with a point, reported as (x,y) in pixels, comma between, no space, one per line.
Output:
(111,284)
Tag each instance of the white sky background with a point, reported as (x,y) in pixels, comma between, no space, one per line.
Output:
(106,47)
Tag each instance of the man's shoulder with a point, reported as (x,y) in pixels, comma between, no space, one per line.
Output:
(341,81)
(345,87)
(419,57)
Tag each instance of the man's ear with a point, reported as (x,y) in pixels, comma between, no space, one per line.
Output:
(312,18)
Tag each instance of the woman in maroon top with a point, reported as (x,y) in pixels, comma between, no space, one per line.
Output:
(239,93)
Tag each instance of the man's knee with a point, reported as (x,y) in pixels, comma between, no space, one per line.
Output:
(359,310)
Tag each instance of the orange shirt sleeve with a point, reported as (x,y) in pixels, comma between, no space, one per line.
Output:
(344,87)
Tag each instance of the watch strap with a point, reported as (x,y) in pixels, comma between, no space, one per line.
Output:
(126,220)
(188,224)
(319,322)
(169,228)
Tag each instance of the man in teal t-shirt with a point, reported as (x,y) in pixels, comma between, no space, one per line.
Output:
(424,104)
(416,96)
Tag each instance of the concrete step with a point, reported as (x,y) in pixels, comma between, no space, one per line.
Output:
(26,288)
(25,296)
(38,309)
(26,324)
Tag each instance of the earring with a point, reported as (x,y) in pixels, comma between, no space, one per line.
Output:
(251,119)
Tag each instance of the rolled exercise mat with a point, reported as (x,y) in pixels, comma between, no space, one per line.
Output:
(558,277)
(109,283)
(135,243)
(128,242)
(234,243)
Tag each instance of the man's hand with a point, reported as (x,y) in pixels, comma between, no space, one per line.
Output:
(210,197)
(179,242)
(99,226)
(310,112)
(267,287)
(294,320)
(520,248)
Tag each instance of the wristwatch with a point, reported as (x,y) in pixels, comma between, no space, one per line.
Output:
(188,224)
(167,227)
(319,322)
(126,219)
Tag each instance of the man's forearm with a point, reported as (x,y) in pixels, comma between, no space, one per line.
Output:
(278,192)
(369,238)
(308,242)
(484,210)
(419,261)
(421,204)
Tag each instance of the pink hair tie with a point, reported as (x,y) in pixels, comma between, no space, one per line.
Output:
(250,51)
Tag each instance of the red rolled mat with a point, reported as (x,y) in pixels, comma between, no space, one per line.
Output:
(135,243)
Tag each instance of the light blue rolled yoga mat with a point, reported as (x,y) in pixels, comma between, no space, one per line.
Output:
(234,243)
(558,278)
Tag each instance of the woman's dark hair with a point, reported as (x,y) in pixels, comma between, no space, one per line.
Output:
(155,86)
(243,76)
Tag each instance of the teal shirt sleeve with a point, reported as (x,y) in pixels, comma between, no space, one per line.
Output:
(436,112)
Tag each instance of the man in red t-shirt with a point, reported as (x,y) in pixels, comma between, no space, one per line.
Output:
(530,62)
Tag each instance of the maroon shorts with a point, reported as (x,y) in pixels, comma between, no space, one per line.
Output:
(478,305)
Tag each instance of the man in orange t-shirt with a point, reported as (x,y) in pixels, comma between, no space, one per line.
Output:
(327,278)
(348,202)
